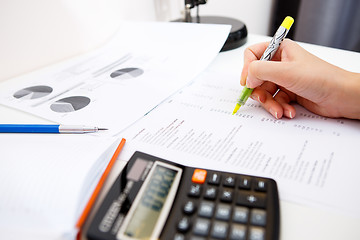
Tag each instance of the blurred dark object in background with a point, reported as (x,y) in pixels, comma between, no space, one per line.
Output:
(238,32)
(332,23)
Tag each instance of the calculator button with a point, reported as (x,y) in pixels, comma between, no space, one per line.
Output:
(226,195)
(223,212)
(202,227)
(245,183)
(219,230)
(258,217)
(241,214)
(197,238)
(229,181)
(256,233)
(206,209)
(214,179)
(179,236)
(199,176)
(184,224)
(195,190)
(260,185)
(251,199)
(237,232)
(189,207)
(210,193)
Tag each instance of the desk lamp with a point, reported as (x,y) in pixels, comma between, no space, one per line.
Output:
(238,33)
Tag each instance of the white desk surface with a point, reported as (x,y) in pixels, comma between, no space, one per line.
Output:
(298,222)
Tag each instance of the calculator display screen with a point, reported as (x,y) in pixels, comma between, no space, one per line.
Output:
(149,207)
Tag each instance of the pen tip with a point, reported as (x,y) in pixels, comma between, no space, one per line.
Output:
(102,129)
(236,108)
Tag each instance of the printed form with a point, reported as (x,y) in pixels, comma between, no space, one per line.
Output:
(314,159)
(46,181)
(113,86)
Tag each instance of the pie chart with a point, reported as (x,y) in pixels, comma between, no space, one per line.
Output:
(70,104)
(127,73)
(33,92)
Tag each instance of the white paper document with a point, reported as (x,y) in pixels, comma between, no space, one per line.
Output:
(111,87)
(315,160)
(46,181)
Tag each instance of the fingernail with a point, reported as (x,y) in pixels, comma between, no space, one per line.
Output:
(274,113)
(290,114)
(260,99)
(243,81)
(247,82)
(287,114)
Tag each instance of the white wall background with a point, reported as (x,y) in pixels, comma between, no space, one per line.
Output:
(37,33)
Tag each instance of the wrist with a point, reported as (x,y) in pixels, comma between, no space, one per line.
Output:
(351,95)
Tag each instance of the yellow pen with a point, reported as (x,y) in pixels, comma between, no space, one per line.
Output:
(267,55)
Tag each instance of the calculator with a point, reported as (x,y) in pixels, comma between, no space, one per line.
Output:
(153,198)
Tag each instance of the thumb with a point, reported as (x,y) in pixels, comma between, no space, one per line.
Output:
(272,71)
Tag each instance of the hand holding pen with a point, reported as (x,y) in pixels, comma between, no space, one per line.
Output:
(267,56)
(295,75)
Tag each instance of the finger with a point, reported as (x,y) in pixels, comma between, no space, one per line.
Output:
(284,99)
(251,53)
(268,102)
(270,87)
(260,93)
(292,96)
(276,72)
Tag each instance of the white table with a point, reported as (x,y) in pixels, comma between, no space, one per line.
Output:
(298,222)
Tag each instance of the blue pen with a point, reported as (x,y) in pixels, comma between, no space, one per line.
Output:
(46,128)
